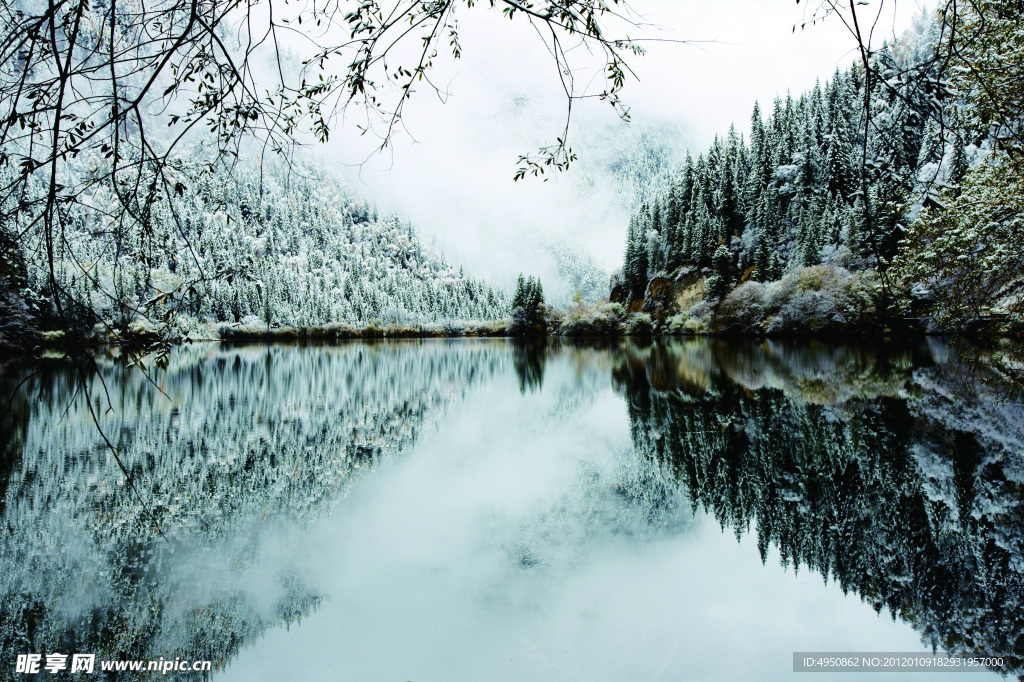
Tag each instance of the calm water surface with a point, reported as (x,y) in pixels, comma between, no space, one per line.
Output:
(482,510)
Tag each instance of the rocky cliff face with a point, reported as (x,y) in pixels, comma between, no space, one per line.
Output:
(618,293)
(664,295)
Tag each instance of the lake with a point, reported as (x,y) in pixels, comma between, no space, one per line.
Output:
(478,509)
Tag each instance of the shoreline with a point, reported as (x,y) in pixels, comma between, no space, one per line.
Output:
(333,332)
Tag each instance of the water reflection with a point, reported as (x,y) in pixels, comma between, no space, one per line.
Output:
(340,486)
(219,444)
(529,356)
(896,472)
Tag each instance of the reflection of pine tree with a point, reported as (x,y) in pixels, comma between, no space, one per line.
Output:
(839,490)
(529,358)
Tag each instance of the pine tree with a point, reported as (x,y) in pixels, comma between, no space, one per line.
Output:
(838,179)
(807,166)
(721,281)
(958,166)
(533,295)
(728,196)
(629,268)
(931,144)
(655,240)
(636,269)
(762,262)
(519,298)
(673,228)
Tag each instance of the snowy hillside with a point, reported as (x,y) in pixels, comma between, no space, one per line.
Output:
(284,246)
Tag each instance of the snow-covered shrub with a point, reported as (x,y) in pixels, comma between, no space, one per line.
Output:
(612,310)
(819,299)
(696,326)
(485,328)
(699,318)
(743,309)
(141,327)
(674,324)
(601,319)
(823,299)
(776,324)
(685,324)
(400,331)
(340,330)
(284,334)
(638,324)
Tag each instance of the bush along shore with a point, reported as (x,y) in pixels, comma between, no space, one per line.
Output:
(820,301)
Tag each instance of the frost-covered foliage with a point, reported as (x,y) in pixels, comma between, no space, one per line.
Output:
(962,254)
(696,320)
(688,323)
(987,69)
(276,246)
(819,299)
(745,307)
(604,319)
(967,255)
(638,324)
(600,319)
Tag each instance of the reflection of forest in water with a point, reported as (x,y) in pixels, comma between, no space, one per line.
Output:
(221,443)
(896,472)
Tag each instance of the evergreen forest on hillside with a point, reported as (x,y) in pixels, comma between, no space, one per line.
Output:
(288,246)
(884,192)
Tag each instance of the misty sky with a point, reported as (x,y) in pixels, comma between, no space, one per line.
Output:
(452,174)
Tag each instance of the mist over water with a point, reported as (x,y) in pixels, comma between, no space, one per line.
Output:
(455,510)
